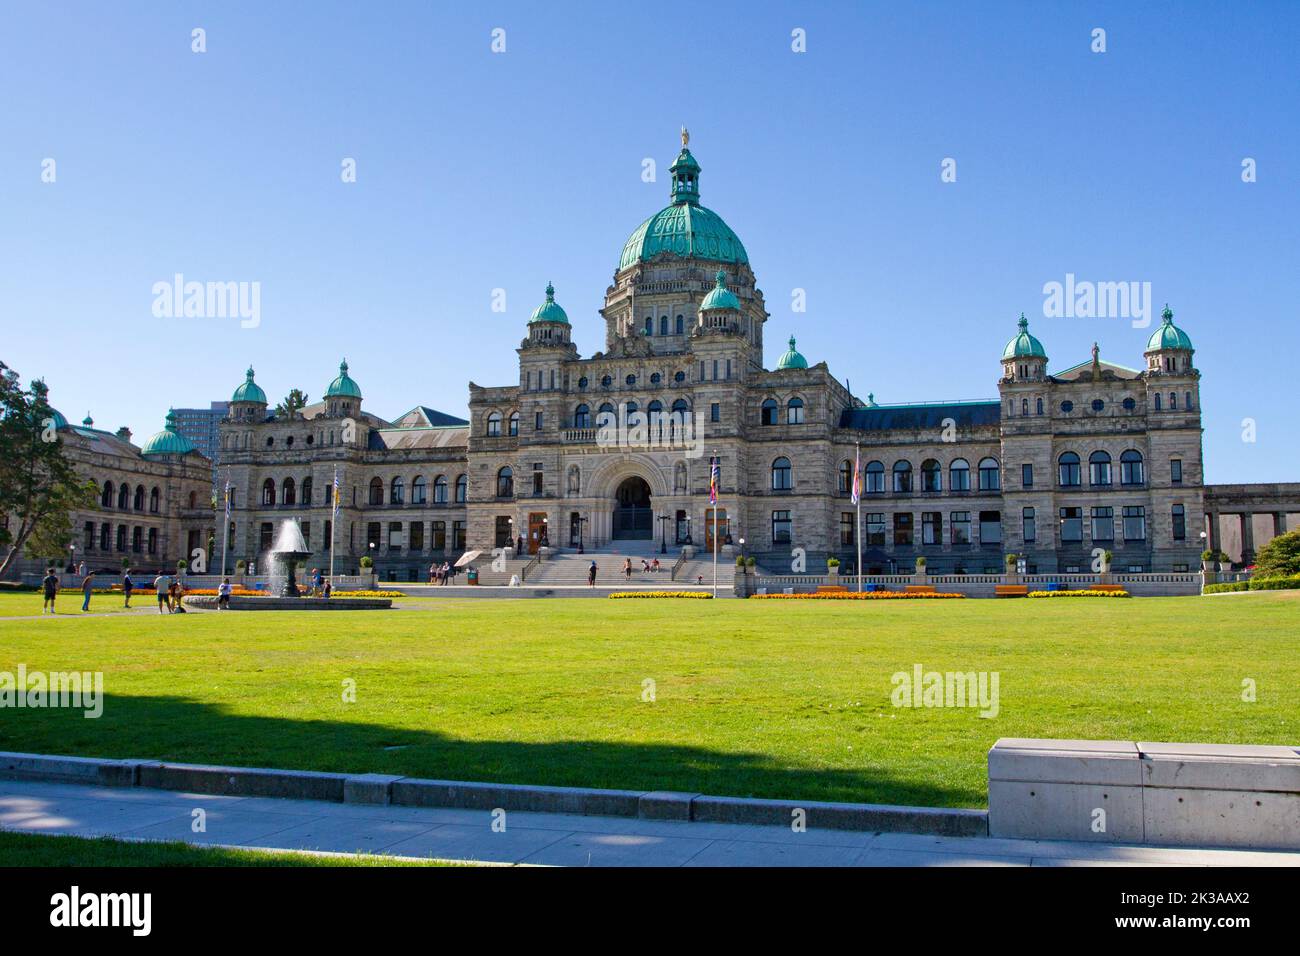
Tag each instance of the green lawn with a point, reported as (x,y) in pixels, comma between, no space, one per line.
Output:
(762,698)
(25,849)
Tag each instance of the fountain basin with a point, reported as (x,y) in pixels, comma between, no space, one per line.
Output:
(208,602)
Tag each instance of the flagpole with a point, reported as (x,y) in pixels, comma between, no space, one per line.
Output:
(857,521)
(715,522)
(225,530)
(334,520)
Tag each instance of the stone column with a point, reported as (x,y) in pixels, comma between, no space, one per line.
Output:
(1279,523)
(1212,531)
(1247,537)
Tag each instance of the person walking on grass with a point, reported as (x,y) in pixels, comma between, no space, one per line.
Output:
(627,569)
(127,586)
(50,585)
(160,585)
(591,575)
(87,586)
(223,595)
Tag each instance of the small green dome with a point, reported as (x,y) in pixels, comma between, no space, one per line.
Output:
(1024,345)
(720,297)
(343,386)
(1168,336)
(549,311)
(88,422)
(168,441)
(792,358)
(250,391)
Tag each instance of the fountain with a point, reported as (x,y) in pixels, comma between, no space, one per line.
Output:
(288,550)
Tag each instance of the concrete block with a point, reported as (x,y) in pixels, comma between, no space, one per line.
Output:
(375,788)
(665,805)
(1039,810)
(1099,762)
(409,791)
(1205,817)
(243,781)
(840,816)
(1221,767)
(84,770)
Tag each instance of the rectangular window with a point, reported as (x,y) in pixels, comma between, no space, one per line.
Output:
(153,540)
(961,527)
(1103,524)
(504,537)
(932,527)
(395,537)
(1027,476)
(537,421)
(372,535)
(458,535)
(781,527)
(1135,523)
(1071,525)
(846,529)
(1179,522)
(715,412)
(438,540)
(1028,525)
(537,482)
(266,532)
(715,370)
(1176,471)
(990,527)
(876,529)
(417,535)
(903,529)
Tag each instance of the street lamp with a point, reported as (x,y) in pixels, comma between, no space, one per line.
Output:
(582,520)
(663,534)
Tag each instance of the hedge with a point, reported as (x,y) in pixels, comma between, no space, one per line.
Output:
(1281,583)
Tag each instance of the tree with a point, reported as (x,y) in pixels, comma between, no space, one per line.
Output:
(1279,557)
(292,404)
(39,487)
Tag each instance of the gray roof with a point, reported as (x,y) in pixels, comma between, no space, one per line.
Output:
(444,436)
(914,417)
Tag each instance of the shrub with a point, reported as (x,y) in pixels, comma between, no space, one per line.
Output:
(751,563)
(740,562)
(1280,557)
(1079,594)
(182,564)
(367,562)
(1012,559)
(1225,588)
(862,596)
(367,594)
(1275,583)
(920,562)
(832,562)
(660,594)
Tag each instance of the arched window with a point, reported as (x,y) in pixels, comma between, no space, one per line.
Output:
(902,477)
(1187,401)
(440,490)
(875,475)
(494,425)
(605,415)
(505,483)
(106,497)
(649,325)
(155,494)
(376,491)
(1173,401)
(781,475)
(397,494)
(663,325)
(305,497)
(1024,407)
(794,412)
(1157,401)
(194,500)
(931,476)
(420,490)
(990,476)
(1068,470)
(289,492)
(681,410)
(767,414)
(124,497)
(1099,468)
(846,477)
(268,491)
(138,503)
(959,475)
(681,325)
(1039,407)
(514,425)
(582,416)
(574,480)
(462,490)
(1130,468)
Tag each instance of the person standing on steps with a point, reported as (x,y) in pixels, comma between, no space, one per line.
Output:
(591,575)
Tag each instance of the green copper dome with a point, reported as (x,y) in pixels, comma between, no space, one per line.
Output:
(1024,345)
(343,386)
(168,441)
(88,422)
(720,297)
(685,228)
(250,391)
(59,420)
(792,358)
(1168,336)
(549,311)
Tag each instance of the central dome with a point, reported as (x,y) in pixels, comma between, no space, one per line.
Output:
(685,228)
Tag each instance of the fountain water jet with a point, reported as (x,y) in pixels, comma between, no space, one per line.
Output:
(290,547)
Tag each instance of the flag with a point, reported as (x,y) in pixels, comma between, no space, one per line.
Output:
(857,475)
(336,493)
(715,478)
(227,499)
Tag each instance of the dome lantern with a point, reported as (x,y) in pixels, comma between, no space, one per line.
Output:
(249,391)
(550,310)
(1169,349)
(720,297)
(1024,358)
(792,358)
(169,441)
(343,386)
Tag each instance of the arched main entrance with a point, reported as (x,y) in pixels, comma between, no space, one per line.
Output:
(633,515)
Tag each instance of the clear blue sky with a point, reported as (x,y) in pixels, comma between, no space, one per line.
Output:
(479,170)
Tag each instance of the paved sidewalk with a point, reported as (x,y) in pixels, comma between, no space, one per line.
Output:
(547,839)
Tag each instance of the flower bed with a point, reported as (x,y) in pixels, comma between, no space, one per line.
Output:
(236,592)
(697,595)
(368,594)
(863,596)
(1079,594)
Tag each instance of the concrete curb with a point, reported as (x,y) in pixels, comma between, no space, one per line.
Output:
(389,789)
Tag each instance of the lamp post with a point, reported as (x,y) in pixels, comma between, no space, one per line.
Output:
(663,534)
(582,520)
